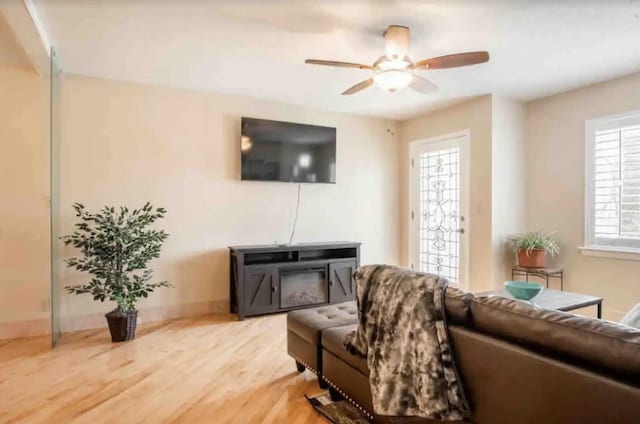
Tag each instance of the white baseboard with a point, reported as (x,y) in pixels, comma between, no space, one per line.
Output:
(613,314)
(152,314)
(42,327)
(28,328)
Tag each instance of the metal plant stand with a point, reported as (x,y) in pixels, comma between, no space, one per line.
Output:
(543,273)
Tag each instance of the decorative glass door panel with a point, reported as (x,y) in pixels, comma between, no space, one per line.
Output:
(438,207)
(440,212)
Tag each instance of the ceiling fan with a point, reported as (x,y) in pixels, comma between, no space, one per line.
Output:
(394,70)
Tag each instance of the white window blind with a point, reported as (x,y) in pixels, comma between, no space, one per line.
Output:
(615,183)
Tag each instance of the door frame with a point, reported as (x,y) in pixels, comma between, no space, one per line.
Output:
(413,227)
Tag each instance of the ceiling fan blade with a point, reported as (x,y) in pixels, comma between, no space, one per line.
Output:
(339,64)
(453,60)
(423,85)
(358,87)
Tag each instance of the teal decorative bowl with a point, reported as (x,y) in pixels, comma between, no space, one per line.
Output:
(523,290)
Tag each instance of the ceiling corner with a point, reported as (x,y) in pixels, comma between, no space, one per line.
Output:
(22,18)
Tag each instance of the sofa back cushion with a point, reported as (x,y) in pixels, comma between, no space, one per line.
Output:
(594,344)
(509,384)
(457,305)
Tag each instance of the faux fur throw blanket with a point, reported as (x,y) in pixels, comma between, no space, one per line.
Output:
(403,333)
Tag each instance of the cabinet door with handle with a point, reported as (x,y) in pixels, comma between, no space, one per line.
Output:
(260,287)
(342,286)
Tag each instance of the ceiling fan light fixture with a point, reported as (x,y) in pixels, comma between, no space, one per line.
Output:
(396,40)
(385,64)
(393,79)
(394,70)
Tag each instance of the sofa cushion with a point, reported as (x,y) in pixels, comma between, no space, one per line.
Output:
(332,342)
(457,305)
(309,323)
(588,342)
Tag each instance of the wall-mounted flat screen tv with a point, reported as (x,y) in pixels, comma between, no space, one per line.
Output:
(285,151)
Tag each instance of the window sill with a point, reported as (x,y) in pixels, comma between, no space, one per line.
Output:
(625,254)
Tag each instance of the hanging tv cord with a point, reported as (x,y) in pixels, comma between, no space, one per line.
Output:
(295,219)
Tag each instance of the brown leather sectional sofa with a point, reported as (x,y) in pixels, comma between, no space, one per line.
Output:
(518,364)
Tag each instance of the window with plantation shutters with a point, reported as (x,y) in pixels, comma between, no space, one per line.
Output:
(613,186)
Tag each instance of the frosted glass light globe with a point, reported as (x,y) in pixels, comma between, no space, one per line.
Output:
(393,79)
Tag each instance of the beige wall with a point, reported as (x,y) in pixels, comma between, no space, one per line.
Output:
(509,188)
(125,144)
(11,54)
(556,180)
(475,116)
(24,203)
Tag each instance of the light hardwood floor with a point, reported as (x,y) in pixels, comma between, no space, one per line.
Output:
(210,369)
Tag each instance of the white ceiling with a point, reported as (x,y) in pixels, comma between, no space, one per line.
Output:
(257,47)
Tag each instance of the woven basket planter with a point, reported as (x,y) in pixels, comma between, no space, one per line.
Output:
(122,325)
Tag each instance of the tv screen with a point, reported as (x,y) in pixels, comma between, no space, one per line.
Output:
(284,151)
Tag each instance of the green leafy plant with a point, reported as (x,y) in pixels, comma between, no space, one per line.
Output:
(536,240)
(116,246)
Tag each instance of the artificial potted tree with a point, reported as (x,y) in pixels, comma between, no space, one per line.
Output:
(532,248)
(116,246)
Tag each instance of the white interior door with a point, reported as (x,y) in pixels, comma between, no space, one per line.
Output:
(438,185)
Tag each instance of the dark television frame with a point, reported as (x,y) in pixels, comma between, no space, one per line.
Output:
(285,181)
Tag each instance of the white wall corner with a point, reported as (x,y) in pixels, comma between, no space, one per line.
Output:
(508,180)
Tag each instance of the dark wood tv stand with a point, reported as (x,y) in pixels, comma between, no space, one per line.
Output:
(264,279)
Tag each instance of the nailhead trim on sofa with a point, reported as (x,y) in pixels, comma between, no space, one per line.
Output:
(353,402)
(310,368)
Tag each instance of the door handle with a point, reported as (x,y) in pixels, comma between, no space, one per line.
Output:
(274,289)
(460,230)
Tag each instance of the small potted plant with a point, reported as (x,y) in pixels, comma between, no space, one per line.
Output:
(532,248)
(116,246)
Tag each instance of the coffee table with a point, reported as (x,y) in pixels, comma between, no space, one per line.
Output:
(556,299)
